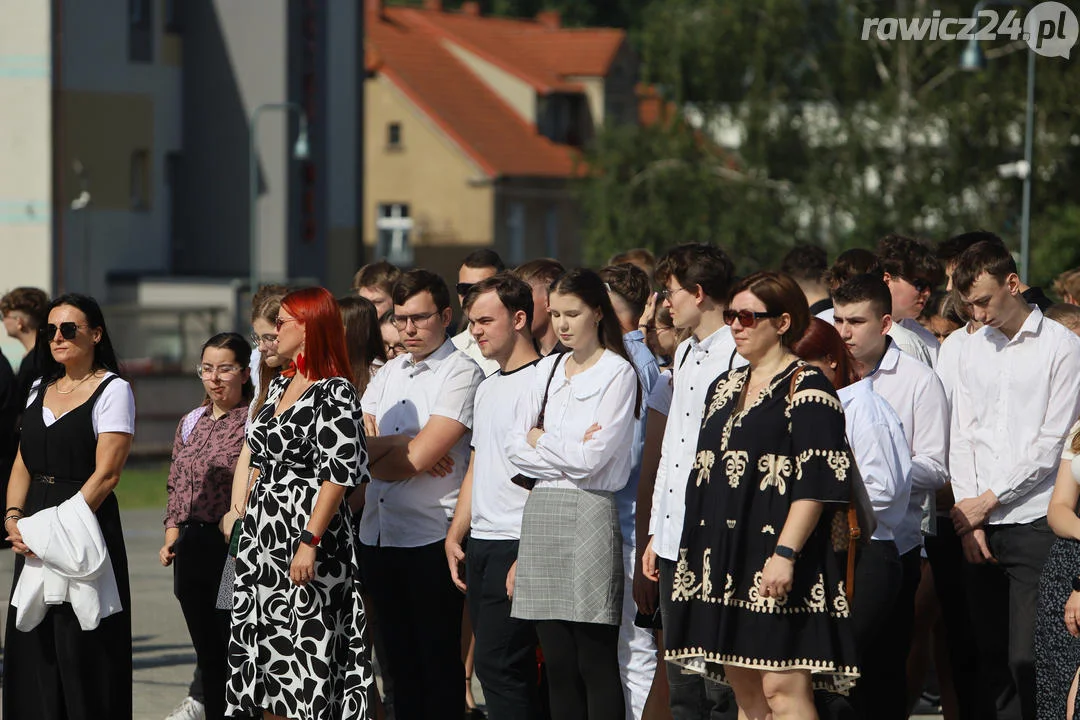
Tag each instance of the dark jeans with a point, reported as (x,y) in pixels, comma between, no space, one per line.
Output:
(583,670)
(692,697)
(505,655)
(420,611)
(879,578)
(200,559)
(1002,600)
(946,558)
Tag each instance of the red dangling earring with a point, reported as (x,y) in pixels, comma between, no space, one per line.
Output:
(301,363)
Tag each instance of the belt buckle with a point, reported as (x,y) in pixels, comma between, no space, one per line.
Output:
(47,479)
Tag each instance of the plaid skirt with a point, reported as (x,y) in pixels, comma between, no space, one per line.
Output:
(569,563)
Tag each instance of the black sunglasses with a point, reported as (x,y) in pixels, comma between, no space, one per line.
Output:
(747,318)
(921,285)
(464,288)
(68,330)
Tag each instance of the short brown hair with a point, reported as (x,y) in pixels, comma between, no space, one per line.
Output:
(906,257)
(848,264)
(1068,282)
(697,265)
(1066,314)
(417,281)
(32,302)
(380,274)
(629,282)
(807,263)
(982,257)
(514,293)
(780,294)
(865,288)
(641,257)
(545,270)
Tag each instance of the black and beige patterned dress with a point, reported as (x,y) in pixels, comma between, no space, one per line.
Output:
(299,651)
(750,467)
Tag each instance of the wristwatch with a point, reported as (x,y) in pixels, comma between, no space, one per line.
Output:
(1076,584)
(308,539)
(785,552)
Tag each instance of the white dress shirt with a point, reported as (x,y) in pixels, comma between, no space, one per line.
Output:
(697,366)
(827,315)
(603,395)
(402,397)
(497,503)
(881,450)
(912,344)
(660,397)
(1021,396)
(929,339)
(466,343)
(916,394)
(948,360)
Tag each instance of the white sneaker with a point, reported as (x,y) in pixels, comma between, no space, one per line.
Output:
(189,709)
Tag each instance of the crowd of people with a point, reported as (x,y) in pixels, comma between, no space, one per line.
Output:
(657,490)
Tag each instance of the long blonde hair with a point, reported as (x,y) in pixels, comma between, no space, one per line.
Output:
(265,304)
(1076,441)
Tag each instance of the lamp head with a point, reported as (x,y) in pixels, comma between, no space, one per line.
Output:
(973,59)
(300,149)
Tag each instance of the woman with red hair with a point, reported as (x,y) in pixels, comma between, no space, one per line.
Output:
(297,646)
(883,456)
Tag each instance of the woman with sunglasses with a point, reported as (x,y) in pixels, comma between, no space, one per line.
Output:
(207,443)
(297,639)
(76,435)
(758,600)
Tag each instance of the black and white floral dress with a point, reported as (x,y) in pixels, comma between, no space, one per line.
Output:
(299,651)
(751,465)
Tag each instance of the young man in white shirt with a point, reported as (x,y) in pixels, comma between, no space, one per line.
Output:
(696,280)
(862,315)
(499,311)
(628,287)
(477,265)
(1020,387)
(540,273)
(910,271)
(423,400)
(375,281)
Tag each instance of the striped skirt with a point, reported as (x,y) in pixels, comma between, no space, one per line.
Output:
(570,558)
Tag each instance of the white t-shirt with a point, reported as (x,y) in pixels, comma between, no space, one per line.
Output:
(660,397)
(113,412)
(497,503)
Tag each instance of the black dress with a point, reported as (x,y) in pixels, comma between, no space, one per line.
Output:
(750,467)
(57,670)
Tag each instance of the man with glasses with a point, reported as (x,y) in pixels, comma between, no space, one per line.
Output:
(478,265)
(911,271)
(421,404)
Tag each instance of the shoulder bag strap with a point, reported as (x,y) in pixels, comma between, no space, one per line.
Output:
(547,389)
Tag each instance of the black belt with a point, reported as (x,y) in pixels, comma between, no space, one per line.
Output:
(52,479)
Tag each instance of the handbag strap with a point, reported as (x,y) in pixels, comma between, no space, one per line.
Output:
(547,389)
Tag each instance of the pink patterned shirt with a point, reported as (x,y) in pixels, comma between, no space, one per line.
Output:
(203,459)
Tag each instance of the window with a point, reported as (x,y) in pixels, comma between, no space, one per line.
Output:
(563,118)
(140,31)
(174,23)
(140,180)
(393,136)
(551,232)
(393,227)
(174,169)
(515,231)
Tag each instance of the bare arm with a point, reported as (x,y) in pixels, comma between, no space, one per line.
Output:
(238,496)
(650,462)
(18,485)
(112,453)
(1062,510)
(778,573)
(459,528)
(422,452)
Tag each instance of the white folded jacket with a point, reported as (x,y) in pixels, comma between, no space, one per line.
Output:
(72,566)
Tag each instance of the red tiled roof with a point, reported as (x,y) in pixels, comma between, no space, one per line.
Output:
(409,46)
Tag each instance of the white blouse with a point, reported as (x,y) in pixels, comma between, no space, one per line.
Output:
(605,395)
(113,412)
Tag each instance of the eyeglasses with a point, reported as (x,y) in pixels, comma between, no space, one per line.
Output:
(402,321)
(464,288)
(278,322)
(666,294)
(224,372)
(747,318)
(68,330)
(921,285)
(260,340)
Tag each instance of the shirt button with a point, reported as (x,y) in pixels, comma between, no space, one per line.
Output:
(667,517)
(382,500)
(691,387)
(671,490)
(402,402)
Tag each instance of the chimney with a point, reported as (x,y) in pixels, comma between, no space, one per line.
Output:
(471,8)
(550,19)
(435,5)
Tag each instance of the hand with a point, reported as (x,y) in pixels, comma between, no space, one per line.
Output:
(1072,614)
(302,570)
(649,314)
(510,577)
(166,555)
(455,558)
(590,432)
(776,577)
(15,538)
(226,524)
(443,467)
(649,567)
(976,551)
(646,592)
(371,429)
(970,513)
(534,436)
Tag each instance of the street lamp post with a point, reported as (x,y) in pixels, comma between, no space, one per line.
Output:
(300,152)
(973,59)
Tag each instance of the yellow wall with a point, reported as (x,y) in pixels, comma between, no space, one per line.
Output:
(594,92)
(102,130)
(518,94)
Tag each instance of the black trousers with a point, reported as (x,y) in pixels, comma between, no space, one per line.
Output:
(1002,600)
(692,697)
(505,655)
(583,670)
(200,558)
(420,611)
(879,578)
(946,557)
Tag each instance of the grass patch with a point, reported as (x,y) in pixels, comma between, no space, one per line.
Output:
(142,485)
